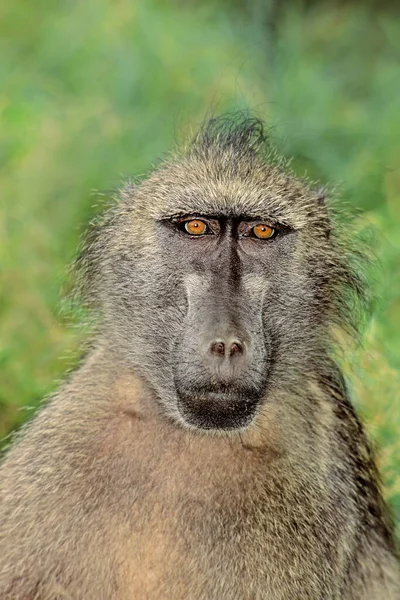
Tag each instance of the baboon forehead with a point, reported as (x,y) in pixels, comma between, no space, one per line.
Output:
(230,188)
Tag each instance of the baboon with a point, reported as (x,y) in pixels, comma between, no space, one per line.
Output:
(206,448)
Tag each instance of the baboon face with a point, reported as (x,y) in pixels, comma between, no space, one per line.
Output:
(224,264)
(215,271)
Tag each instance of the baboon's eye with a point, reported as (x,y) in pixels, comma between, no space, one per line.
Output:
(196,227)
(260,231)
(263,231)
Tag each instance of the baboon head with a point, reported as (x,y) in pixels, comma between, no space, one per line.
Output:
(218,276)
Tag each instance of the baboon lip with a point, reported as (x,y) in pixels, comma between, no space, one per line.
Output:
(217,410)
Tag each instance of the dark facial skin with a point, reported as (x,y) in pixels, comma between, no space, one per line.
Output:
(221,357)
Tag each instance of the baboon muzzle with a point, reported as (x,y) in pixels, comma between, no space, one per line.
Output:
(220,362)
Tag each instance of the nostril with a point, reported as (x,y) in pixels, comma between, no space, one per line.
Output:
(236,349)
(218,348)
(233,349)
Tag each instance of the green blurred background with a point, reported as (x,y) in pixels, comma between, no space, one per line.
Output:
(94,91)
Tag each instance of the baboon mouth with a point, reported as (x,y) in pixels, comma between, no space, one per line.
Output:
(217,410)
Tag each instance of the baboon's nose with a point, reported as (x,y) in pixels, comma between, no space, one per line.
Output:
(227,348)
(226,358)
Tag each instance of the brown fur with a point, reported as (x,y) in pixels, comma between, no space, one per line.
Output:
(107,495)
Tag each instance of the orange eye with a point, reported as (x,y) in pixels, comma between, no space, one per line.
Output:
(263,231)
(196,227)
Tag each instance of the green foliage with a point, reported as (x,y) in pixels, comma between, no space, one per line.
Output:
(94,92)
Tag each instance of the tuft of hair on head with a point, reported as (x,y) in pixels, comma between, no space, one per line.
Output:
(239,133)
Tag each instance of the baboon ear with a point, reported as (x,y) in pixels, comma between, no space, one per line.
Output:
(321,194)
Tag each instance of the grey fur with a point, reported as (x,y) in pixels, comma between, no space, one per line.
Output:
(123,486)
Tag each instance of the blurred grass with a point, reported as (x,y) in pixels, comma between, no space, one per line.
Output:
(93,92)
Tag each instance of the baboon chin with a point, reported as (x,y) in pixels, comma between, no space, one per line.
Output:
(217,282)
(219,411)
